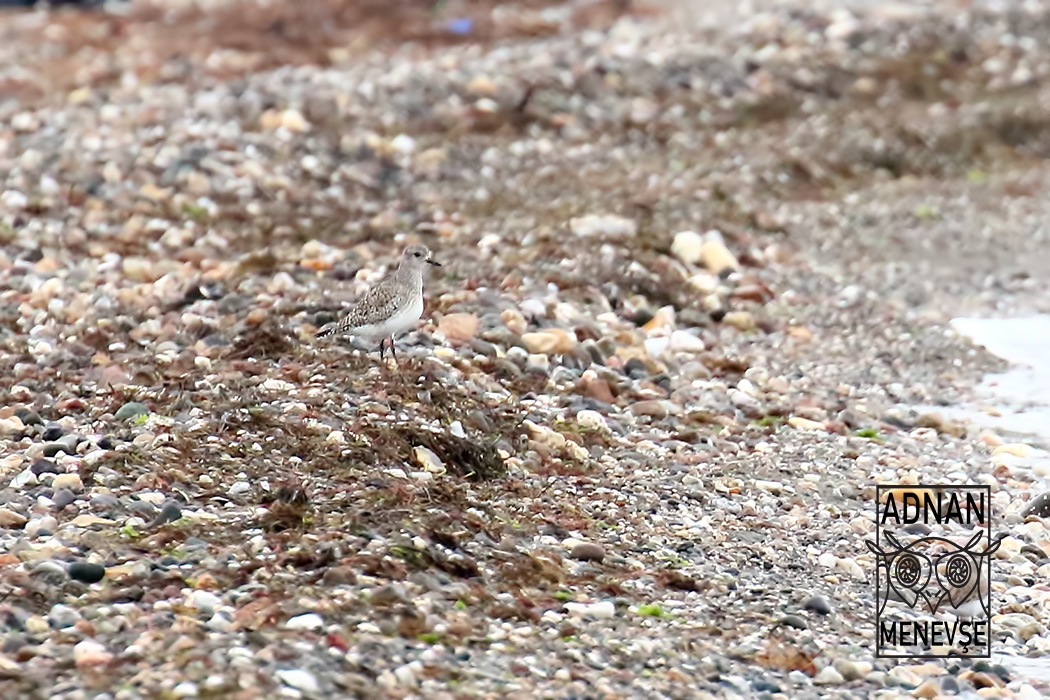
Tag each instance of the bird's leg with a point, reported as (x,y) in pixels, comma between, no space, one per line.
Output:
(392,351)
(381,344)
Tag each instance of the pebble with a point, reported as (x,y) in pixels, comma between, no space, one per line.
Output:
(688,246)
(89,653)
(794,621)
(87,572)
(68,481)
(554,341)
(130,410)
(428,460)
(588,551)
(307,621)
(458,327)
(300,680)
(62,616)
(605,226)
(604,610)
(741,320)
(818,604)
(9,518)
(828,676)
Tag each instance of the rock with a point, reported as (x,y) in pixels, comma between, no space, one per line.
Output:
(741,320)
(130,410)
(794,621)
(68,481)
(656,408)
(604,226)
(299,679)
(685,342)
(605,610)
(553,341)
(514,321)
(308,621)
(938,423)
(930,688)
(800,423)
(203,601)
(828,676)
(588,551)
(715,256)
(62,616)
(458,328)
(62,498)
(87,572)
(52,432)
(818,604)
(90,653)
(688,246)
(9,518)
(1038,506)
(169,512)
(851,670)
(428,460)
(44,466)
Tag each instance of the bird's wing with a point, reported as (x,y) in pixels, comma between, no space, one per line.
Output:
(377,305)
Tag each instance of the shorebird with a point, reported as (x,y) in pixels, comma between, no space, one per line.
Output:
(393,306)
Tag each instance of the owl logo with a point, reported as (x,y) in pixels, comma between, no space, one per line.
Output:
(907,570)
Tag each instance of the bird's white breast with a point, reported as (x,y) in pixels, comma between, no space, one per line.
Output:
(400,322)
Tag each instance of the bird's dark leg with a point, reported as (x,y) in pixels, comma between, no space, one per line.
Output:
(392,351)
(381,344)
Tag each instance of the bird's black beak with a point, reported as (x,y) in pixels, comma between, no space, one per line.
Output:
(434,262)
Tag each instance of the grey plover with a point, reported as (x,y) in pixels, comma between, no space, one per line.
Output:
(393,306)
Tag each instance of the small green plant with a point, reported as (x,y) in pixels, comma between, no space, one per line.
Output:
(429,637)
(769,421)
(870,433)
(460,605)
(564,596)
(130,532)
(651,610)
(140,419)
(195,212)
(925,211)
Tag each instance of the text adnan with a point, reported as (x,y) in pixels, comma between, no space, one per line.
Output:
(933,506)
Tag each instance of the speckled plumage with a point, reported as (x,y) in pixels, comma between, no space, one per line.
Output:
(393,306)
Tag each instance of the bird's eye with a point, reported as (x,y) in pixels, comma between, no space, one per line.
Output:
(418,255)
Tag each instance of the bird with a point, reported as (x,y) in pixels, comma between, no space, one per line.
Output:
(393,306)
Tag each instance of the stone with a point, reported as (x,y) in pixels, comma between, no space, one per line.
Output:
(828,676)
(299,679)
(715,256)
(62,616)
(800,423)
(428,460)
(89,653)
(588,551)
(131,410)
(458,328)
(553,341)
(929,689)
(514,321)
(68,481)
(741,320)
(1038,506)
(604,610)
(818,604)
(307,621)
(9,518)
(86,572)
(688,246)
(604,226)
(794,621)
(655,408)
